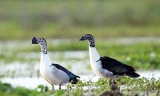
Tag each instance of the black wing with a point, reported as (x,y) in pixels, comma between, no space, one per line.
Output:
(117,68)
(70,74)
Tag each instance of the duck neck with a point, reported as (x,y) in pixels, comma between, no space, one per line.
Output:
(44,56)
(94,56)
(91,42)
(44,49)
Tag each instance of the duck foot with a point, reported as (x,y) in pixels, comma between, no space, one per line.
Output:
(46,88)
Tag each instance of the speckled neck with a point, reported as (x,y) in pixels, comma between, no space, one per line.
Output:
(44,49)
(91,43)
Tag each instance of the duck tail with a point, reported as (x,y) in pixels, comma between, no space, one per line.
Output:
(132,74)
(74,80)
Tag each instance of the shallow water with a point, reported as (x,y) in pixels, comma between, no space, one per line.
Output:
(33,82)
(71,60)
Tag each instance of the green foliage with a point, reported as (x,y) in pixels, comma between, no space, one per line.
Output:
(59,93)
(7,90)
(41,87)
(123,85)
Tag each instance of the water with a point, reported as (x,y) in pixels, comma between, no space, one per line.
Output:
(71,62)
(33,82)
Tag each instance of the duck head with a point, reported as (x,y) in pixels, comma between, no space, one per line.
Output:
(89,38)
(40,41)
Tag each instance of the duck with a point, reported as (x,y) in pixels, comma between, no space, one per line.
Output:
(104,66)
(53,73)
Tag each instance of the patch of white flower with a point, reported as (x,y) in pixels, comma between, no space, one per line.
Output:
(128,58)
(152,55)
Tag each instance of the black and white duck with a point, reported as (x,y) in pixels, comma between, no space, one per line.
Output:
(106,67)
(53,73)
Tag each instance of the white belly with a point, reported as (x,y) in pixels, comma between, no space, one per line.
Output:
(98,70)
(96,64)
(53,75)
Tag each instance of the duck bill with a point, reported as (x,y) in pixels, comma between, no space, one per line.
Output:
(34,40)
(82,38)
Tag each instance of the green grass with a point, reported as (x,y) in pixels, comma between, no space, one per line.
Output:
(54,32)
(7,90)
(126,86)
(68,19)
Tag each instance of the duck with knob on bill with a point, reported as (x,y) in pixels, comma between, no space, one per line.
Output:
(53,73)
(106,67)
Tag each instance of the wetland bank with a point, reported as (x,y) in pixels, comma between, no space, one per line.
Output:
(126,30)
(20,65)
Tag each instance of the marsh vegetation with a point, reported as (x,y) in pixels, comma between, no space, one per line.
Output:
(126,30)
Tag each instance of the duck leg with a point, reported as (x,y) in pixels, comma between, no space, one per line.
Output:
(46,88)
(113,85)
(112,82)
(59,87)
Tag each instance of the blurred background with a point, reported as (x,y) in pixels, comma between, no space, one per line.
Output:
(70,19)
(126,30)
